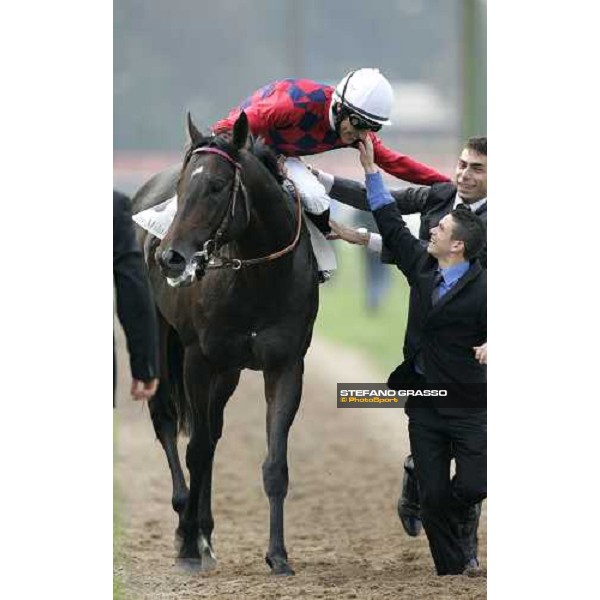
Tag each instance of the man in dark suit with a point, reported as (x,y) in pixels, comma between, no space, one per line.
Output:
(447,325)
(135,307)
(433,203)
(470,189)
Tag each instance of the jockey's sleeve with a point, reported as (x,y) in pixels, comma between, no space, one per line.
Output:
(262,116)
(404,167)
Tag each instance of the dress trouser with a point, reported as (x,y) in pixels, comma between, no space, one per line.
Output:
(412,505)
(447,506)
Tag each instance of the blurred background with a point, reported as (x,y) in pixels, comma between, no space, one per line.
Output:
(206,57)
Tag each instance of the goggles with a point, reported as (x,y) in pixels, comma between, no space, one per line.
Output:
(362,124)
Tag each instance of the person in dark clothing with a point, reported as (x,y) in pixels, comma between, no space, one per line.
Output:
(135,306)
(470,190)
(448,328)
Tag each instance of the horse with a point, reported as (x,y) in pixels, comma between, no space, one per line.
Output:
(236,287)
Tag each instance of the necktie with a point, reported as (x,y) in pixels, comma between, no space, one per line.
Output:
(435,296)
(463,206)
(437,290)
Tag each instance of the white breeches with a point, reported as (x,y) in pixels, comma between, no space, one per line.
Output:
(314,197)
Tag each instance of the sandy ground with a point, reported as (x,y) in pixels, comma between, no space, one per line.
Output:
(343,536)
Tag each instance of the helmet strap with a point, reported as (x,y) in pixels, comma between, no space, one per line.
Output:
(339,114)
(340,111)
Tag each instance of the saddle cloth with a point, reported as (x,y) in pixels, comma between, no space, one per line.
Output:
(157,219)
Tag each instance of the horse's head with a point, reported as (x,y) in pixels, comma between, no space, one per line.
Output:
(212,204)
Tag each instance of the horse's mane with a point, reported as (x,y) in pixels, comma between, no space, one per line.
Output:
(268,158)
(256,146)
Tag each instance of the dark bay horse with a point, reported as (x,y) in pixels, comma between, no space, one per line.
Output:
(235,283)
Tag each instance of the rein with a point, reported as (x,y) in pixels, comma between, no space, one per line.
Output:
(211,245)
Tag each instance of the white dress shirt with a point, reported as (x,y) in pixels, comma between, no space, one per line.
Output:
(473,206)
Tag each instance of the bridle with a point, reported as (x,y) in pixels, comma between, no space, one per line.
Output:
(208,258)
(213,245)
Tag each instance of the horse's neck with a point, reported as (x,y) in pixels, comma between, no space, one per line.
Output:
(272,226)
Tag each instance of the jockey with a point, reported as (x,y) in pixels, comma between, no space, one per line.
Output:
(299,117)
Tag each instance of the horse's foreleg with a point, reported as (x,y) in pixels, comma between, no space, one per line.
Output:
(283,389)
(195,550)
(197,378)
(222,387)
(163,412)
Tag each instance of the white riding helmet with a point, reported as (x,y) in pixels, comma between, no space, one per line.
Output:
(368,93)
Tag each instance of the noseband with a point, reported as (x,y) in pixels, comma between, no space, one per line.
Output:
(206,258)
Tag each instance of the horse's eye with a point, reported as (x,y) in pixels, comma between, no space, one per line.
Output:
(215,186)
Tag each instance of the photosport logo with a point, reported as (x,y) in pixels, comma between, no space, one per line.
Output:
(444,396)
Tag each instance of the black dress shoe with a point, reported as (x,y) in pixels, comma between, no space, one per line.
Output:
(473,568)
(412,525)
(408,503)
(468,532)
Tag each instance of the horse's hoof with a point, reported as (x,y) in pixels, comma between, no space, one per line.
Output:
(206,561)
(279,566)
(177,541)
(209,560)
(189,564)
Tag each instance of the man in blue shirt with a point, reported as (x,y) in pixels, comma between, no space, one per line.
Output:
(447,322)
(433,203)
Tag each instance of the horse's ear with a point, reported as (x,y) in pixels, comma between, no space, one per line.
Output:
(240,131)
(193,133)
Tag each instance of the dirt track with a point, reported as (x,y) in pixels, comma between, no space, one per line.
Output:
(342,532)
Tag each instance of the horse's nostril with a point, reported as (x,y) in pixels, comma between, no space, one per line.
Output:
(172,262)
(173,258)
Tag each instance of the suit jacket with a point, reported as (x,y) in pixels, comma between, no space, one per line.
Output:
(135,305)
(444,333)
(433,203)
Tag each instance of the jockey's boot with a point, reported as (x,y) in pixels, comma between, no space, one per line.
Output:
(321,221)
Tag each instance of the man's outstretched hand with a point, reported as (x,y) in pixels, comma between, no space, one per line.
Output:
(348,234)
(367,155)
